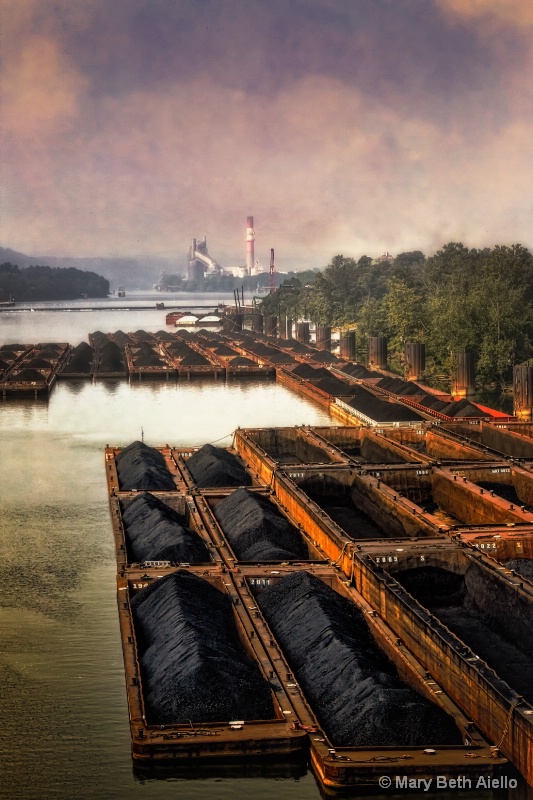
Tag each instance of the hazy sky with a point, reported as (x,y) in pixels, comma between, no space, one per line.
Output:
(343,126)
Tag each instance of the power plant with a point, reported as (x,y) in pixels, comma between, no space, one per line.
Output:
(201,265)
(250,246)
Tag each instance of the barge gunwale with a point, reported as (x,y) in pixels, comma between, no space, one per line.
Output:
(185,505)
(182,454)
(341,767)
(487,702)
(113,485)
(227,739)
(494,707)
(336,767)
(49,376)
(211,499)
(375,495)
(502,544)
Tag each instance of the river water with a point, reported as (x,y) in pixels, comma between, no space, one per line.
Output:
(64,729)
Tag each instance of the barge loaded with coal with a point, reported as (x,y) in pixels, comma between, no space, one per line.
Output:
(354,595)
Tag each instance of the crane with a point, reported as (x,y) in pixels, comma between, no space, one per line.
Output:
(272,272)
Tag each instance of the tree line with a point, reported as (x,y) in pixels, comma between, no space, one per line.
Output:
(457,299)
(49,283)
(227,283)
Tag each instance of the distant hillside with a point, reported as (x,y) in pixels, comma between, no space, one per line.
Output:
(133,273)
(38,282)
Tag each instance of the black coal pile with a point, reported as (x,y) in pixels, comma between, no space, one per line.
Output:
(178,349)
(205,335)
(26,376)
(409,388)
(111,358)
(281,358)
(122,338)
(214,466)
(98,338)
(310,373)
(463,408)
(156,532)
(335,387)
(453,408)
(482,617)
(524,567)
(143,336)
(4,364)
(9,355)
(241,361)
(81,359)
(192,663)
(143,467)
(261,349)
(298,347)
(224,350)
(149,361)
(164,336)
(359,371)
(194,359)
(145,348)
(399,387)
(147,357)
(51,350)
(15,348)
(257,531)
(381,410)
(353,688)
(325,357)
(38,363)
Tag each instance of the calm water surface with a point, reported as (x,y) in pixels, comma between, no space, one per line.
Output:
(64,731)
(37,323)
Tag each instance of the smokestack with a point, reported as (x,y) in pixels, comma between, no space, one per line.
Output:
(250,239)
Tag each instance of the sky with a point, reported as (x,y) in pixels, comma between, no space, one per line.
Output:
(343,126)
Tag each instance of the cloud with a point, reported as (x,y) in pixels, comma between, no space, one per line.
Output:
(353,127)
(515,13)
(40,90)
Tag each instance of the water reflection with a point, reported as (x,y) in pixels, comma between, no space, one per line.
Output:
(111,385)
(65,730)
(269,769)
(75,386)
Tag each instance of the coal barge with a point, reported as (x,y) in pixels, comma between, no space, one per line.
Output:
(280,467)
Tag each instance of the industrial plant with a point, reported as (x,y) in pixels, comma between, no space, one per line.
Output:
(201,265)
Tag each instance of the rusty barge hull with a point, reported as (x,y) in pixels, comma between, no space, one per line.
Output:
(484,699)
(227,739)
(296,733)
(44,361)
(287,463)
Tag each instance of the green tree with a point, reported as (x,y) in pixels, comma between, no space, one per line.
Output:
(403,313)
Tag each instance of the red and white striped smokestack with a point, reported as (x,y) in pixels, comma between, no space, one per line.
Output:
(250,240)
